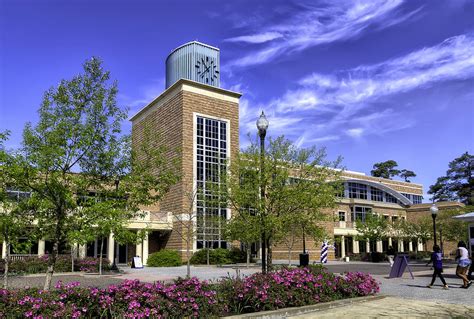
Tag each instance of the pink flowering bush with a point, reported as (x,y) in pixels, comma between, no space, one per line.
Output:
(187,298)
(293,288)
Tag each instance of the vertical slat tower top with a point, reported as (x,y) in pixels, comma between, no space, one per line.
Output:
(194,61)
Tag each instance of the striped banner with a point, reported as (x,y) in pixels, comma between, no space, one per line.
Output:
(324,252)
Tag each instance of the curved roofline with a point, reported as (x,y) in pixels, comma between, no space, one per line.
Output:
(189,43)
(385,188)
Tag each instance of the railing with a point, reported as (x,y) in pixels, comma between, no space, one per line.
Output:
(164,217)
(22,256)
(341,224)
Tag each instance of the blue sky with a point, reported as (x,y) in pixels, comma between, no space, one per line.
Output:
(369,80)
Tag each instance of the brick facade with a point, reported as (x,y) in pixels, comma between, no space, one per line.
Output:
(171,119)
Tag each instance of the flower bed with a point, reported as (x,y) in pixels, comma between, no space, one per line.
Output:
(36,265)
(187,298)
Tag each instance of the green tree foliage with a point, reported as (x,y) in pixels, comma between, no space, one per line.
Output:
(453,229)
(406,175)
(77,148)
(14,220)
(297,188)
(389,169)
(244,227)
(458,183)
(372,229)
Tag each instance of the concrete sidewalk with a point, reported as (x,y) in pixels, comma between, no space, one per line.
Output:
(391,307)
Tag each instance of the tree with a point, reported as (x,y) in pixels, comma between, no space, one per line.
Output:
(294,227)
(387,169)
(77,147)
(243,227)
(374,228)
(453,229)
(406,175)
(296,181)
(458,183)
(14,220)
(185,225)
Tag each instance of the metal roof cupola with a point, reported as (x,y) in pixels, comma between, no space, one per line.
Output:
(194,61)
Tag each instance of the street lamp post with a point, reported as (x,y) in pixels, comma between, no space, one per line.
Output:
(434,212)
(262,125)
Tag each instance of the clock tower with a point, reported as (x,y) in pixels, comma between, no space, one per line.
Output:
(193,61)
(198,122)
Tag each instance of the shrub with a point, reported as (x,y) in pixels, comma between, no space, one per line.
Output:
(164,258)
(419,255)
(187,298)
(36,265)
(237,256)
(219,256)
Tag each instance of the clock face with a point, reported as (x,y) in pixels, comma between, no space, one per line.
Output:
(207,70)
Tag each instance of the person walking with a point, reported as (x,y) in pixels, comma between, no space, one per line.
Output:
(462,256)
(390,255)
(437,260)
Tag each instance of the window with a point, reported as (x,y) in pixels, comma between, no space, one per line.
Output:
(357,190)
(394,218)
(417,199)
(407,195)
(342,216)
(376,194)
(17,195)
(360,212)
(386,217)
(210,164)
(390,199)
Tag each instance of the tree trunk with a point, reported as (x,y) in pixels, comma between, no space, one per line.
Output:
(100,256)
(248,254)
(72,257)
(188,259)
(269,255)
(51,262)
(7,264)
(289,256)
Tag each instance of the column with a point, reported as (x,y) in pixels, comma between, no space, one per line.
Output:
(145,249)
(111,248)
(41,245)
(367,246)
(355,246)
(139,250)
(379,247)
(82,251)
(4,249)
(390,241)
(410,246)
(400,246)
(420,245)
(343,246)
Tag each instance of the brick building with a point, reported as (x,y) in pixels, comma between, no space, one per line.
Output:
(198,122)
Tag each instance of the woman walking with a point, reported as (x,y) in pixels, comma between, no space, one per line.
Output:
(462,256)
(437,260)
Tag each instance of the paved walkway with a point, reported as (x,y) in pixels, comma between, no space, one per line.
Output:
(392,307)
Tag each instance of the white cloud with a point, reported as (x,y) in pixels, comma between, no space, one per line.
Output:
(355,132)
(320,24)
(453,59)
(256,38)
(354,101)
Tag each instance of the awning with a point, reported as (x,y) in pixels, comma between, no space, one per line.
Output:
(469,217)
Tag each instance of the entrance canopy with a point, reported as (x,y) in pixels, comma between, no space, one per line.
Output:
(469,217)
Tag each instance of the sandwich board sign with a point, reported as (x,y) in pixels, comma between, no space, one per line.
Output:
(399,265)
(137,262)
